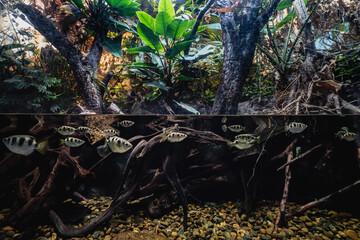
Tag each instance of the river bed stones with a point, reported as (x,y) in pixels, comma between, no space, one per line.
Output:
(208,221)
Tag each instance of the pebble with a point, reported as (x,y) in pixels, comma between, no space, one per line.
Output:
(351,234)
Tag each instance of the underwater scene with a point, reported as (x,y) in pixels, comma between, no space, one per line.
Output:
(179,177)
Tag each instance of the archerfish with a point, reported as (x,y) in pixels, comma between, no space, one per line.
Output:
(175,137)
(126,123)
(240,144)
(233,128)
(83,130)
(247,138)
(73,142)
(118,144)
(65,130)
(24,144)
(348,136)
(110,132)
(295,127)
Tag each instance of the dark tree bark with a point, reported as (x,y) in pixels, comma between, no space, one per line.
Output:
(240,35)
(83,66)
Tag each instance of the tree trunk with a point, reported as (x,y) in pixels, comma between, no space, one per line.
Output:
(83,67)
(239,48)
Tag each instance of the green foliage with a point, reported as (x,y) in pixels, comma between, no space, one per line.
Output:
(24,85)
(348,68)
(281,59)
(104,16)
(166,37)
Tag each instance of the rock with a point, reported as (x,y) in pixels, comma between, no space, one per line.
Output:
(309,224)
(7,228)
(264,237)
(351,234)
(174,234)
(53,236)
(107,237)
(270,230)
(305,230)
(95,234)
(138,236)
(263,231)
(329,234)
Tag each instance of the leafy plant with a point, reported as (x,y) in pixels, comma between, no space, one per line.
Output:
(105,18)
(166,37)
(24,85)
(281,59)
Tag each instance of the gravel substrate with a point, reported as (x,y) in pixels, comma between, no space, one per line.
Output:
(208,221)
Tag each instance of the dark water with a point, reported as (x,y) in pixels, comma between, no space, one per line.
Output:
(209,170)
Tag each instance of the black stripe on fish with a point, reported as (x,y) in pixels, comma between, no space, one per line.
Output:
(30,142)
(13,141)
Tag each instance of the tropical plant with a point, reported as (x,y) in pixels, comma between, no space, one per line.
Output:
(166,37)
(281,60)
(24,85)
(105,18)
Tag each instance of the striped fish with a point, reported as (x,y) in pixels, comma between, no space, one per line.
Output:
(73,142)
(111,132)
(295,127)
(126,123)
(118,144)
(24,144)
(65,130)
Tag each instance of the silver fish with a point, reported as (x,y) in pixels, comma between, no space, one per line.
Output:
(83,130)
(240,145)
(118,144)
(224,119)
(175,137)
(187,107)
(103,150)
(349,136)
(126,123)
(65,130)
(73,142)
(295,127)
(24,144)
(111,132)
(247,138)
(233,128)
(340,134)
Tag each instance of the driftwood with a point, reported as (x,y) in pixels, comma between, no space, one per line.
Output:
(281,218)
(324,199)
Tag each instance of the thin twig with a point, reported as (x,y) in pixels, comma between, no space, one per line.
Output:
(299,157)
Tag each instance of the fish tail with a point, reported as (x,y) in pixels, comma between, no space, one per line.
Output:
(258,139)
(286,128)
(42,147)
(230,144)
(224,128)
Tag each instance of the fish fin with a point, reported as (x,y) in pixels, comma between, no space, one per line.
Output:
(224,119)
(42,147)
(345,129)
(286,128)
(258,140)
(224,128)
(230,144)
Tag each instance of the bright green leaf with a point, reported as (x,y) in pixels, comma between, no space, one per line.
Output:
(286,19)
(179,47)
(166,6)
(176,28)
(283,4)
(148,36)
(118,3)
(146,19)
(161,22)
(145,49)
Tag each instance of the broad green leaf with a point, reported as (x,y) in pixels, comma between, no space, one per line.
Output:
(176,28)
(161,22)
(118,3)
(191,23)
(178,48)
(283,4)
(145,49)
(148,36)
(78,3)
(146,19)
(131,9)
(286,19)
(112,46)
(166,6)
